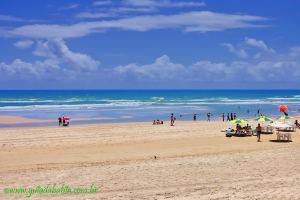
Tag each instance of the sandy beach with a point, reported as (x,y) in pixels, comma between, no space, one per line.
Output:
(192,160)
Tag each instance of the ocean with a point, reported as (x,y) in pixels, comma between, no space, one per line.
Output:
(145,105)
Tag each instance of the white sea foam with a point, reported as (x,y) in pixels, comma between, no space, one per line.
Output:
(154,103)
(158,98)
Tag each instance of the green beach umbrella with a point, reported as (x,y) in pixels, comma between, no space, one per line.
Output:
(239,121)
(263,119)
(284,117)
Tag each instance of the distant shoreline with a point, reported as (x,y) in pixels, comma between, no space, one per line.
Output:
(23,122)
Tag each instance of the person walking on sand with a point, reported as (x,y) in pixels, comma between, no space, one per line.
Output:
(223,117)
(258,131)
(172,119)
(195,117)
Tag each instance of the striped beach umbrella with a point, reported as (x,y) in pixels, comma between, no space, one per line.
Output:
(239,121)
(263,119)
(284,117)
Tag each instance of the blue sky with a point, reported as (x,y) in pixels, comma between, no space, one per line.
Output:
(150,44)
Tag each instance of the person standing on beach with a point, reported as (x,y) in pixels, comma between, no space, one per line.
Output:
(172,119)
(208,116)
(195,117)
(59,121)
(234,116)
(258,131)
(228,117)
(223,117)
(231,116)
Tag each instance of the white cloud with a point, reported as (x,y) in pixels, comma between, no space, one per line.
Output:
(258,44)
(162,68)
(135,9)
(102,3)
(22,69)
(237,51)
(250,47)
(199,21)
(59,62)
(23,44)
(89,15)
(163,3)
(57,49)
(206,71)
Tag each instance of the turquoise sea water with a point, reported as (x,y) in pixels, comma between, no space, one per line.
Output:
(145,105)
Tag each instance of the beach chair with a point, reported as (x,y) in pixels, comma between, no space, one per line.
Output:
(249,132)
(284,136)
(279,136)
(287,136)
(267,130)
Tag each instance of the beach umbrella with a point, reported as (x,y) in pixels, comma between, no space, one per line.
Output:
(284,109)
(263,119)
(280,125)
(239,121)
(284,117)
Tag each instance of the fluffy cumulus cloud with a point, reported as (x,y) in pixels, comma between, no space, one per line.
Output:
(19,69)
(57,49)
(161,68)
(58,60)
(250,47)
(240,52)
(196,21)
(266,69)
(258,44)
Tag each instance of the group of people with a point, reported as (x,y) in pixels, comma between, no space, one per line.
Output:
(62,121)
(246,129)
(157,122)
(230,117)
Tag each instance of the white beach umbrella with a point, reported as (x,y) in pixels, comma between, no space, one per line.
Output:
(280,125)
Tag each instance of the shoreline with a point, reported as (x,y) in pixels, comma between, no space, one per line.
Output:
(7,121)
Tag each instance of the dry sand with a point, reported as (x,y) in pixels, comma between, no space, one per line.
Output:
(194,161)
